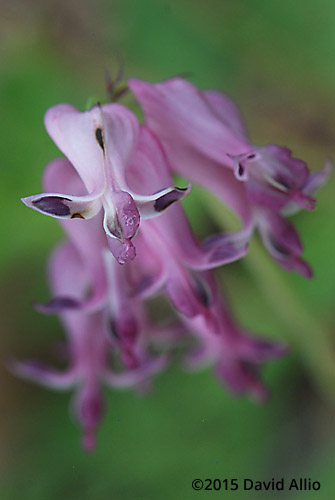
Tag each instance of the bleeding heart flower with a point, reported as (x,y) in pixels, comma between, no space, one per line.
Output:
(100,144)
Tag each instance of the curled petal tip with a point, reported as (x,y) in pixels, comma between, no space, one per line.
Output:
(303,200)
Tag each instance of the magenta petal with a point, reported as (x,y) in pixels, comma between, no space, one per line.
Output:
(241,378)
(123,251)
(314,182)
(282,242)
(227,110)
(154,205)
(147,274)
(223,249)
(40,373)
(99,143)
(133,378)
(189,293)
(64,206)
(259,350)
(58,304)
(89,409)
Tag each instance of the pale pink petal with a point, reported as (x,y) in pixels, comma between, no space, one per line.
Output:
(227,111)
(38,372)
(76,135)
(177,108)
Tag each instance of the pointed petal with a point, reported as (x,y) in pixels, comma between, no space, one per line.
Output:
(88,408)
(76,134)
(222,249)
(282,242)
(147,275)
(132,378)
(151,206)
(257,349)
(315,182)
(241,378)
(42,374)
(87,236)
(123,251)
(63,206)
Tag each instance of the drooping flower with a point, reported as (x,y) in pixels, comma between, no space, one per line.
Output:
(205,140)
(90,348)
(210,124)
(168,254)
(117,172)
(236,354)
(87,237)
(100,144)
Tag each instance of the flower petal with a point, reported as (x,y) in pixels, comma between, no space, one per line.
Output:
(151,206)
(42,374)
(227,111)
(177,111)
(133,378)
(88,408)
(314,182)
(282,242)
(273,177)
(63,206)
(76,135)
(99,143)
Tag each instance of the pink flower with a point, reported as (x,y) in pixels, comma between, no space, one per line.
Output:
(210,124)
(205,140)
(100,144)
(237,356)
(91,347)
(169,256)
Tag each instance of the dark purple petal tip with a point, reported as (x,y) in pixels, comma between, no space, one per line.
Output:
(58,304)
(53,205)
(167,199)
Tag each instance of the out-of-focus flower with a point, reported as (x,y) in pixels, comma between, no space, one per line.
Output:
(100,144)
(236,354)
(118,172)
(205,140)
(91,349)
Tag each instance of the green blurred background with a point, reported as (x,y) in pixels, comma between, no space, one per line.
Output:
(277,60)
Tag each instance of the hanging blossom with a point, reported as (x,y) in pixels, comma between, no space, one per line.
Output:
(100,144)
(170,259)
(91,345)
(210,147)
(236,355)
(169,256)
(107,191)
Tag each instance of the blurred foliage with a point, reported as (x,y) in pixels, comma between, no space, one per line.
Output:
(274,58)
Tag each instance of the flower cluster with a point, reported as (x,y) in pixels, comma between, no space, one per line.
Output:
(128,240)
